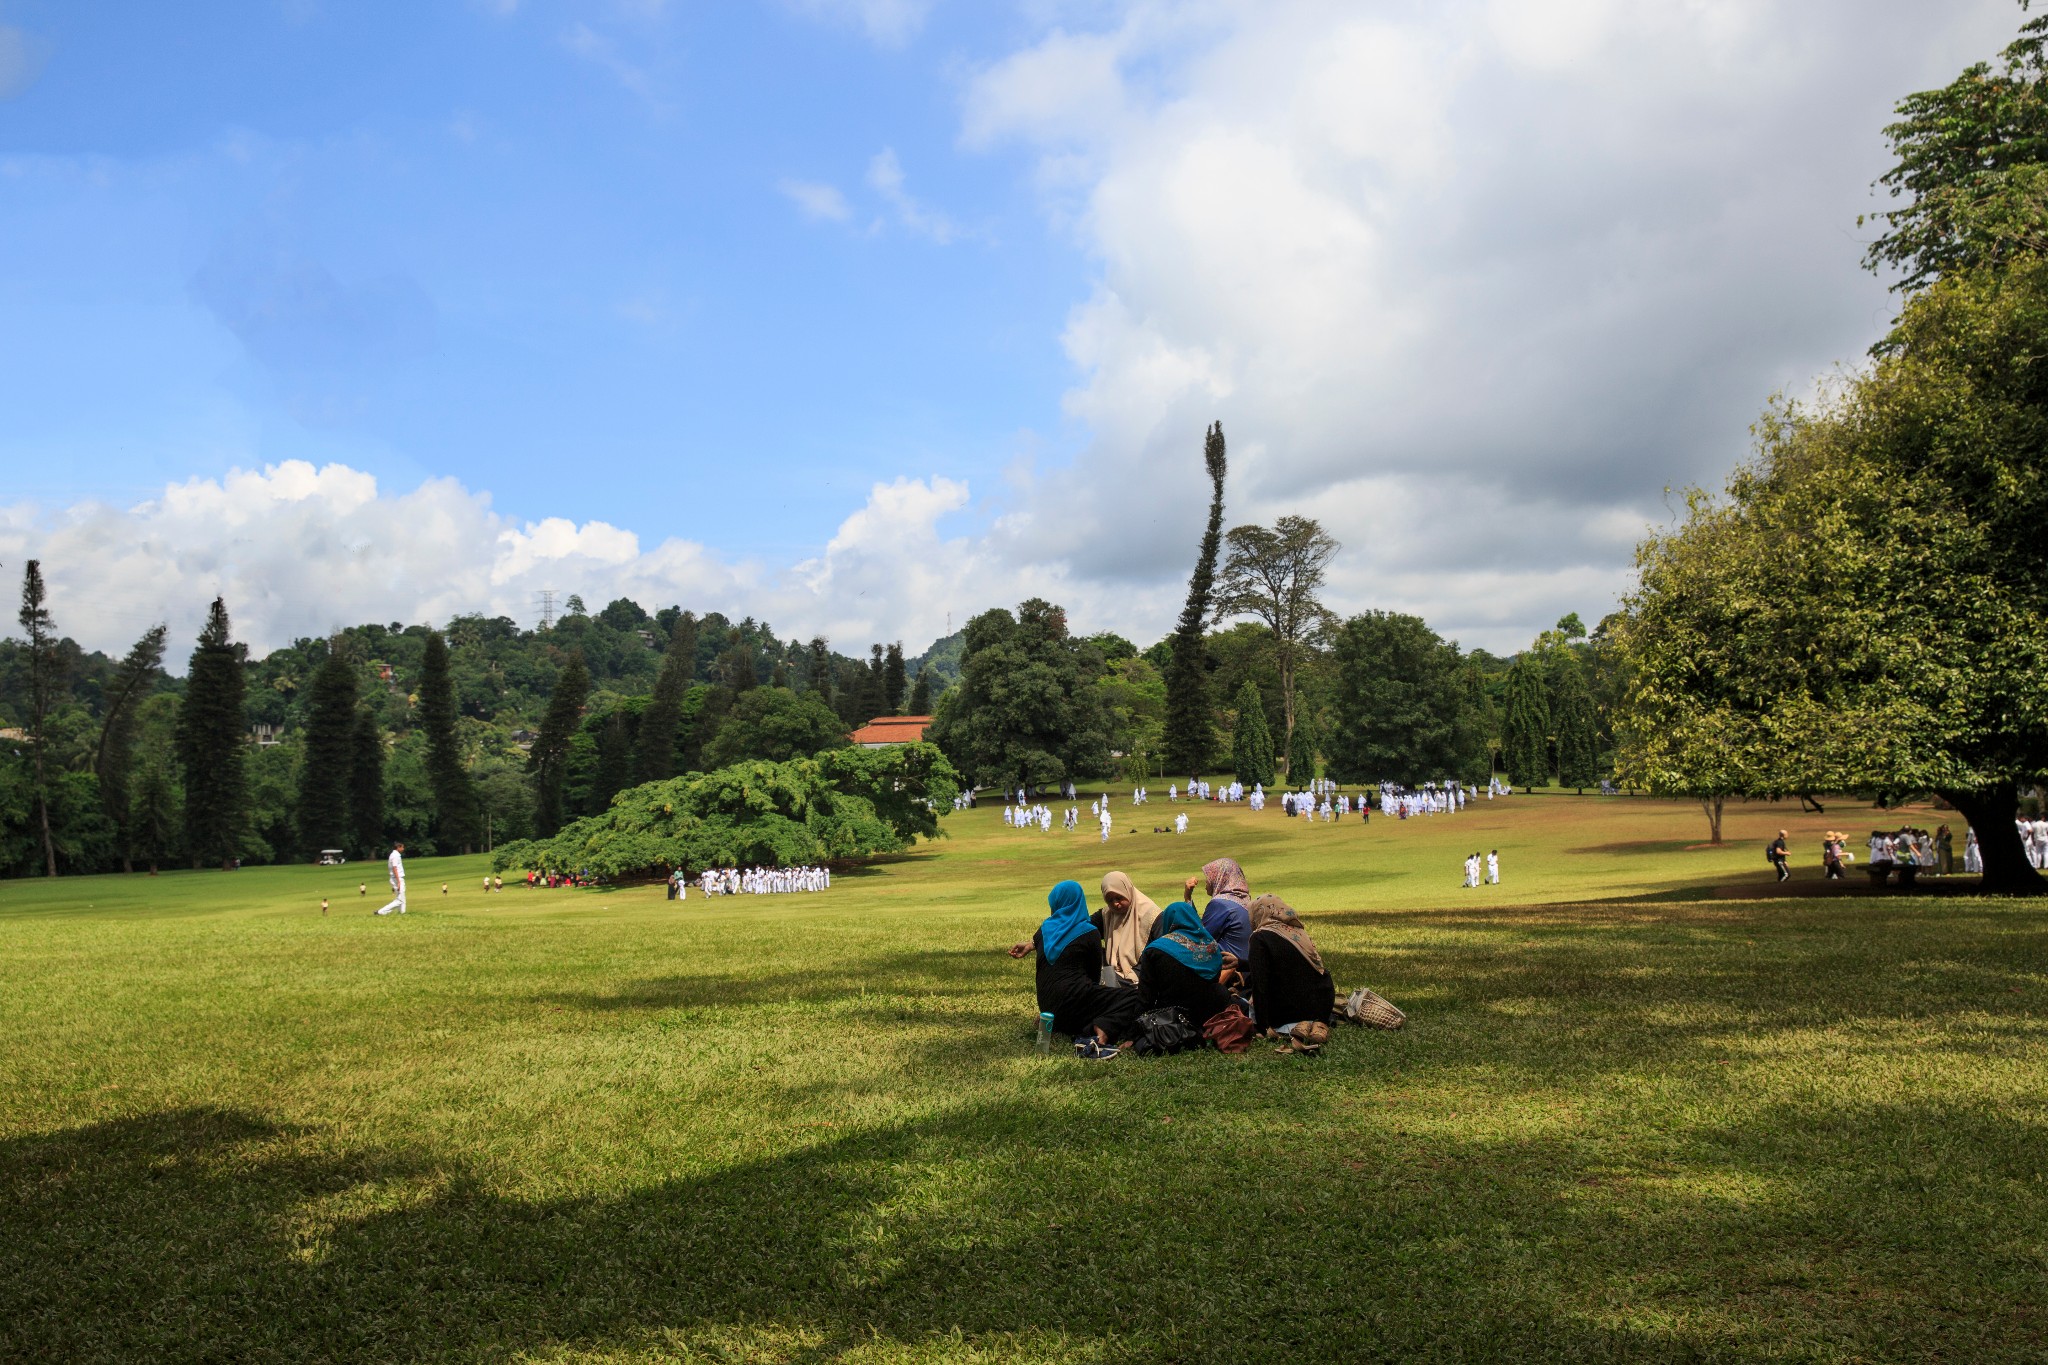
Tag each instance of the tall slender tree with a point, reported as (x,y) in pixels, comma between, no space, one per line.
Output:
(549,758)
(1573,721)
(895,682)
(654,756)
(821,668)
(114,758)
(458,816)
(212,745)
(1190,728)
(614,770)
(1277,576)
(324,775)
(366,784)
(1251,742)
(921,693)
(1525,731)
(44,666)
(1301,751)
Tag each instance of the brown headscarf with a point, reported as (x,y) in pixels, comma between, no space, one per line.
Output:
(1226,880)
(1271,915)
(1125,933)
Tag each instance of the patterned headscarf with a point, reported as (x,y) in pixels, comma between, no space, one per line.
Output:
(1182,938)
(1226,880)
(1271,915)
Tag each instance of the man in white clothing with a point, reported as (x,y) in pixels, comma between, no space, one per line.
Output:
(1493,868)
(395,865)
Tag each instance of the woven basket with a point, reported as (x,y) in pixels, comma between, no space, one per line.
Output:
(1373,1010)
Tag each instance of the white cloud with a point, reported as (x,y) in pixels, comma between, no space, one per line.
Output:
(888,23)
(21,58)
(885,177)
(816,200)
(604,53)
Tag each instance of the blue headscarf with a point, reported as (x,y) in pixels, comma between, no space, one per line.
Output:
(1067,922)
(1182,938)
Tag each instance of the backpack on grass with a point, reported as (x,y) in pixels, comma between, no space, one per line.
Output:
(1163,1032)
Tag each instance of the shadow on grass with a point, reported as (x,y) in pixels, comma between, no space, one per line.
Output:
(213,1235)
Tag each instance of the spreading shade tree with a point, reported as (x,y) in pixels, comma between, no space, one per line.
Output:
(212,735)
(1190,729)
(1402,709)
(1276,576)
(1026,710)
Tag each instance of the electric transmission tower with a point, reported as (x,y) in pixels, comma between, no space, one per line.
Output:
(547,608)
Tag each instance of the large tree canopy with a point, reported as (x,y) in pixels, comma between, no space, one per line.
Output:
(1027,708)
(1403,712)
(1867,608)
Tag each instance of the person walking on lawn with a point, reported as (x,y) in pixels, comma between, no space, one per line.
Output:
(396,867)
(1778,852)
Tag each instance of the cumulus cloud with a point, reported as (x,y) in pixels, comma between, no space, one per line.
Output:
(1473,283)
(298,550)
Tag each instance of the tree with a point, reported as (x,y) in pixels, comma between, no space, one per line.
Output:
(894,681)
(457,818)
(1026,710)
(654,757)
(921,694)
(43,682)
(1277,576)
(821,668)
(1571,717)
(153,812)
(736,668)
(324,777)
(212,743)
(1401,709)
(1251,743)
(1190,729)
(773,724)
(1970,166)
(614,770)
(114,758)
(548,760)
(1525,730)
(366,784)
(1301,751)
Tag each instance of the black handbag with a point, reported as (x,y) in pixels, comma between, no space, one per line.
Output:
(1163,1032)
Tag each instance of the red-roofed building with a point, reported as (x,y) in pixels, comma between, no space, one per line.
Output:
(883,731)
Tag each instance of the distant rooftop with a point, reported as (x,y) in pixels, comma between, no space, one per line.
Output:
(891,730)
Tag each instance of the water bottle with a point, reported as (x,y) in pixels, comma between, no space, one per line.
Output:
(1044,1034)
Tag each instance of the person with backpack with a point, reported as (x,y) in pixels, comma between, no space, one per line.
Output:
(1777,855)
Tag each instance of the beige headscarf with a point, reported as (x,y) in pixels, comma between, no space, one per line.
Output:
(1271,915)
(1125,932)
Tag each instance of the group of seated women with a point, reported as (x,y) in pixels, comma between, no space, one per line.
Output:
(1098,972)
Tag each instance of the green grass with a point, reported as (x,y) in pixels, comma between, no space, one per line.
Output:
(1643,1110)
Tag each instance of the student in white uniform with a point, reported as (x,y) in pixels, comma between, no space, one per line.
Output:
(1493,868)
(395,866)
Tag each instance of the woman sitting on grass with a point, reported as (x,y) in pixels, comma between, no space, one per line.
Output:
(1070,989)
(1226,916)
(1181,965)
(1127,918)
(1290,984)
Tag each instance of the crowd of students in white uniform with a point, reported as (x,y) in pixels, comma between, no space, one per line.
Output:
(752,881)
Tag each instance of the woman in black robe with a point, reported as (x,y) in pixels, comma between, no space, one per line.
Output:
(1290,985)
(1180,966)
(1068,948)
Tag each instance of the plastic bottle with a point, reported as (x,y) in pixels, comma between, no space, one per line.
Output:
(1044,1034)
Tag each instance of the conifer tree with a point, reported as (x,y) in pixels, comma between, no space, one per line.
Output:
(548,760)
(114,759)
(212,735)
(821,668)
(458,816)
(366,784)
(1251,745)
(1571,717)
(614,770)
(153,812)
(1301,750)
(895,682)
(921,693)
(1190,729)
(654,756)
(324,776)
(1525,730)
(43,668)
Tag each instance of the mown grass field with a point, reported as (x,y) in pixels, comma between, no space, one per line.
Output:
(1645,1109)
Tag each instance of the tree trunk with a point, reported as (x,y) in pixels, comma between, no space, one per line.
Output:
(1991,811)
(1712,806)
(43,804)
(1807,803)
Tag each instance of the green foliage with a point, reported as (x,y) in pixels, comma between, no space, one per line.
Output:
(654,757)
(1402,705)
(211,743)
(847,803)
(1027,709)
(1572,720)
(549,758)
(1251,743)
(325,777)
(895,682)
(1133,700)
(1276,575)
(366,785)
(1190,728)
(457,821)
(114,760)
(921,695)
(1525,729)
(774,725)
(1302,750)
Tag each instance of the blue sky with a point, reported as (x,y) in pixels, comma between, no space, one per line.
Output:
(864,315)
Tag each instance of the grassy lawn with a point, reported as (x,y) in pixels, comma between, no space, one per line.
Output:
(1644,1109)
